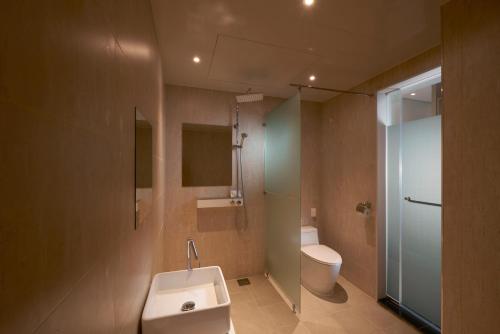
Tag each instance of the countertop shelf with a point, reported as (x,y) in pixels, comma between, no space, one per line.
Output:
(205,203)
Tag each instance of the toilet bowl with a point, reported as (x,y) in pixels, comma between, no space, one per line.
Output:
(320,265)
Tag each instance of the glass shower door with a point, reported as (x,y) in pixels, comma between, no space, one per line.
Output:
(413,181)
(282,197)
(421,217)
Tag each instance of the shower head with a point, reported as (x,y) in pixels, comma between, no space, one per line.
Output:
(253,97)
(243,136)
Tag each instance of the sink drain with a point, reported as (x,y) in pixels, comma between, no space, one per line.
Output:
(188,306)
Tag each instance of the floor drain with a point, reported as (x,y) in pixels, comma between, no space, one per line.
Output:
(243,281)
(188,306)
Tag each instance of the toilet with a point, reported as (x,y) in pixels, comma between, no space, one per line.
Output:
(320,265)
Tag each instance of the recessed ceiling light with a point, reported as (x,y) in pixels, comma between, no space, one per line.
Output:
(312,77)
(413,94)
(196,59)
(309,2)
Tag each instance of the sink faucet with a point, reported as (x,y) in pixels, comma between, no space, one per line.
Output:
(190,244)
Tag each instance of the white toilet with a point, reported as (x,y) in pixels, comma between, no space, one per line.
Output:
(320,265)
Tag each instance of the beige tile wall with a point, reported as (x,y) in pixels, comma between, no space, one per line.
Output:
(310,162)
(471,167)
(224,236)
(70,76)
(349,172)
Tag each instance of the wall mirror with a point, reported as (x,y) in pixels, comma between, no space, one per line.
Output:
(206,155)
(143,168)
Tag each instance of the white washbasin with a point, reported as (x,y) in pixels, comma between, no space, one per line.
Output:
(169,291)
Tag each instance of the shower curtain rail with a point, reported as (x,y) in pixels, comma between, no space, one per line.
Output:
(421,202)
(331,89)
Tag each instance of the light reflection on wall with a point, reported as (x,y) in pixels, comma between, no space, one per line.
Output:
(135,50)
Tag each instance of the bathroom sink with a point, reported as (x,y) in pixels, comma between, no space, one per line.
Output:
(188,301)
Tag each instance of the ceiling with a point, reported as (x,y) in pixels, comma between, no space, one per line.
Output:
(423,94)
(267,44)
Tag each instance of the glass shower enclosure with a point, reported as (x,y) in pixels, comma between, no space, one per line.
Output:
(282,198)
(413,176)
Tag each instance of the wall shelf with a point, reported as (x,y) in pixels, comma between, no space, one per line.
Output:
(206,203)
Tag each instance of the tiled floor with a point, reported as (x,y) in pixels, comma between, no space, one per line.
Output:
(257,308)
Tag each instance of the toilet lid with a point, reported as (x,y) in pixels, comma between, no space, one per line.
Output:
(322,253)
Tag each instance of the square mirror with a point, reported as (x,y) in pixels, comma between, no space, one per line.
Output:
(143,168)
(206,155)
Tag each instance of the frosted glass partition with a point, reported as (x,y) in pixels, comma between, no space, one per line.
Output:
(282,199)
(421,223)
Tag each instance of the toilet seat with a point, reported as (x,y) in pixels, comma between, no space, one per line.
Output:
(322,254)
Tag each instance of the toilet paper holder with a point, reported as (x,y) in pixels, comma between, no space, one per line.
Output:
(364,208)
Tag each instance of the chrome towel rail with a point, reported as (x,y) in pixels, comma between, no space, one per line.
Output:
(421,202)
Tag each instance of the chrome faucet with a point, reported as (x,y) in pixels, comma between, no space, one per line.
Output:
(190,244)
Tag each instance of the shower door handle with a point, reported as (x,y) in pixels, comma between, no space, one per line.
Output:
(421,202)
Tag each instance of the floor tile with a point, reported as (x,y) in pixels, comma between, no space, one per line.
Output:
(265,294)
(377,314)
(258,308)
(324,325)
(299,328)
(352,323)
(401,328)
(280,314)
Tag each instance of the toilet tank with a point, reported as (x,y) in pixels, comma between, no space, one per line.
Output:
(308,236)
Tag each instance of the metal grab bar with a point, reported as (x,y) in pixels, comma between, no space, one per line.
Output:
(420,202)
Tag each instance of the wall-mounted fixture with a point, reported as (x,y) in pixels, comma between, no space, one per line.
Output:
(364,208)
(300,86)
